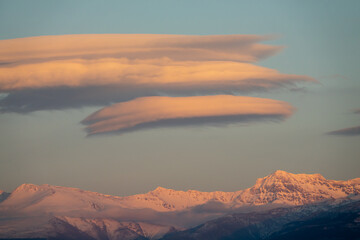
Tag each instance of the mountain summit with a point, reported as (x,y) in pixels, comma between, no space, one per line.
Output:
(297,189)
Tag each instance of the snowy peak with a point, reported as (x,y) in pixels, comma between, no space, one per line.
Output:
(297,189)
(284,174)
(282,178)
(26,195)
(160,190)
(281,175)
(28,187)
(162,199)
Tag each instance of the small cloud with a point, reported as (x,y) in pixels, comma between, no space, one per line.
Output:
(150,112)
(335,76)
(353,131)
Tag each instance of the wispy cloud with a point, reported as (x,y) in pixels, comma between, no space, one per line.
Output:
(149,112)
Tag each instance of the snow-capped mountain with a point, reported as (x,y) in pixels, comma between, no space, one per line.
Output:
(296,189)
(280,188)
(52,211)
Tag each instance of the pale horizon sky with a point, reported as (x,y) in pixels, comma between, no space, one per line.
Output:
(320,39)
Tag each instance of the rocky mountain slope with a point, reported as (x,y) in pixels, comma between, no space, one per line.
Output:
(53,211)
(314,221)
(3,195)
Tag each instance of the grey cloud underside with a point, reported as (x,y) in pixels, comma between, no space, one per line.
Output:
(192,122)
(353,131)
(30,100)
(59,98)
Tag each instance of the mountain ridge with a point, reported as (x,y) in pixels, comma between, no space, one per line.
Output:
(280,187)
(38,210)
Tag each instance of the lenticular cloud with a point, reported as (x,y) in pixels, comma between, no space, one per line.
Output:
(72,71)
(162,74)
(244,48)
(150,112)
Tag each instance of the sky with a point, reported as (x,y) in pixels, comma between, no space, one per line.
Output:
(214,96)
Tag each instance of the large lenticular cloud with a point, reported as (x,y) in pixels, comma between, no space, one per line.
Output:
(71,71)
(149,112)
(127,73)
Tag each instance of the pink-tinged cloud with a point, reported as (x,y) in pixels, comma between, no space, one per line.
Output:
(160,74)
(148,112)
(245,48)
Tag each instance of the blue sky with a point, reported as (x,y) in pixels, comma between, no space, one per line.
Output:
(321,40)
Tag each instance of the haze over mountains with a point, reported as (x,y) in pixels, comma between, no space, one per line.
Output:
(54,212)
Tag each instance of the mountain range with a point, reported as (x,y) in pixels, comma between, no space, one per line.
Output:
(279,206)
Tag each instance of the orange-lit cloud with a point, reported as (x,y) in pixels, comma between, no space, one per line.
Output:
(130,70)
(245,48)
(70,71)
(162,74)
(149,112)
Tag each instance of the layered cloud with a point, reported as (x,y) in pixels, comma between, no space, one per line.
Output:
(125,73)
(57,72)
(148,112)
